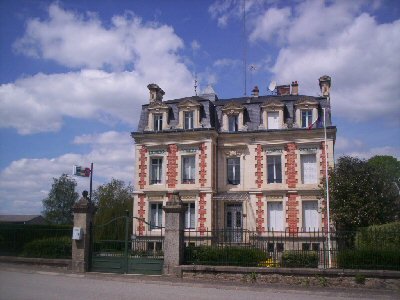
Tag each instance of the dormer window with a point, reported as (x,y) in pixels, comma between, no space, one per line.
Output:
(158,118)
(306,112)
(306,118)
(232,117)
(188,120)
(189,114)
(272,115)
(233,123)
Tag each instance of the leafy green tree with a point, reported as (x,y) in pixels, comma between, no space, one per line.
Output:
(57,207)
(361,194)
(112,200)
(388,164)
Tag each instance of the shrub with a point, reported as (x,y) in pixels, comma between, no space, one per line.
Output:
(234,256)
(369,259)
(300,259)
(384,237)
(57,247)
(359,279)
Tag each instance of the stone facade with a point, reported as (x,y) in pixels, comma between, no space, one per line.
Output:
(251,163)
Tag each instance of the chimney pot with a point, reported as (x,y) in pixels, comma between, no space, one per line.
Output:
(295,88)
(255,92)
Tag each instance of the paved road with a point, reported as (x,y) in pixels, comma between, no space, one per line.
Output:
(19,284)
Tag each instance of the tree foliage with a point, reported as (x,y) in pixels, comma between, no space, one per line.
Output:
(361,194)
(57,207)
(112,200)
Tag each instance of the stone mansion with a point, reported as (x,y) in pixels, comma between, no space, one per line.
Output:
(249,163)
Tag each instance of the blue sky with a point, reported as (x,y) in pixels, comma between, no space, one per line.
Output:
(73,75)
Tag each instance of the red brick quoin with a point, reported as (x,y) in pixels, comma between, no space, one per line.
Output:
(202,213)
(172,166)
(203,165)
(290,172)
(292,212)
(323,170)
(141,213)
(259,166)
(260,214)
(142,167)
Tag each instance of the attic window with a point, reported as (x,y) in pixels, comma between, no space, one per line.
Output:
(233,123)
(188,120)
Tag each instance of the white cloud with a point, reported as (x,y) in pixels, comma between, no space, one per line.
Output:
(25,182)
(272,24)
(38,103)
(336,39)
(227,62)
(357,148)
(195,45)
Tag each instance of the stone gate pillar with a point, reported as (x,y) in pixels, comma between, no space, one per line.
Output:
(173,241)
(83,215)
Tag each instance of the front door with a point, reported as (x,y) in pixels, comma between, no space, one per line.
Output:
(234,222)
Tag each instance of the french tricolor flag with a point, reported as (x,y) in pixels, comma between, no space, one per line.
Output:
(313,123)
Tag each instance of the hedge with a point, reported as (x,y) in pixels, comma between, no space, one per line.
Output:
(56,247)
(369,259)
(300,259)
(231,256)
(13,238)
(383,237)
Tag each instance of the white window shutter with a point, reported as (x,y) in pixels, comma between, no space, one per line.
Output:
(273,120)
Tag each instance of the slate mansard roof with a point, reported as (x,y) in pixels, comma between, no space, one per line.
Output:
(211,111)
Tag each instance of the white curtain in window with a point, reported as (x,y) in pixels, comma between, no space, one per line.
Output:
(308,168)
(273,119)
(310,215)
(275,216)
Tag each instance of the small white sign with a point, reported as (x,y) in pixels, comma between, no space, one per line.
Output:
(77,233)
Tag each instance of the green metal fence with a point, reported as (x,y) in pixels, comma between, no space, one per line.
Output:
(46,241)
(300,249)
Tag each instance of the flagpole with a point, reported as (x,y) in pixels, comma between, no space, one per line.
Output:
(91,181)
(327,194)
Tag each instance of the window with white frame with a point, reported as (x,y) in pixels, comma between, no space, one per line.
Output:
(274,169)
(188,124)
(308,168)
(156,170)
(156,215)
(157,122)
(188,169)
(306,118)
(310,216)
(275,216)
(233,175)
(233,123)
(273,119)
(190,215)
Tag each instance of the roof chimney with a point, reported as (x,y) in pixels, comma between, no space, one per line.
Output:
(255,92)
(282,90)
(325,85)
(156,93)
(295,88)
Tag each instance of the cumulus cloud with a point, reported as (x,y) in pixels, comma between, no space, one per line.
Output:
(357,148)
(148,52)
(112,155)
(337,39)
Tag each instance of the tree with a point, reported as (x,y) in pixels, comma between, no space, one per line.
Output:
(58,204)
(361,194)
(112,200)
(388,164)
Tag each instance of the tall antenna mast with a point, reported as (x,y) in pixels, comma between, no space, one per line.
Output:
(244,48)
(195,84)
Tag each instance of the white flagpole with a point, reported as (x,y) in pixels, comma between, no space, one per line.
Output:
(327,194)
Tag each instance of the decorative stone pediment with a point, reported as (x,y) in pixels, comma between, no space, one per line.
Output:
(234,152)
(233,108)
(189,104)
(306,103)
(157,106)
(272,105)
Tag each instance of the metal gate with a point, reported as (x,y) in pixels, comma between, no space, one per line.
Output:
(114,249)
